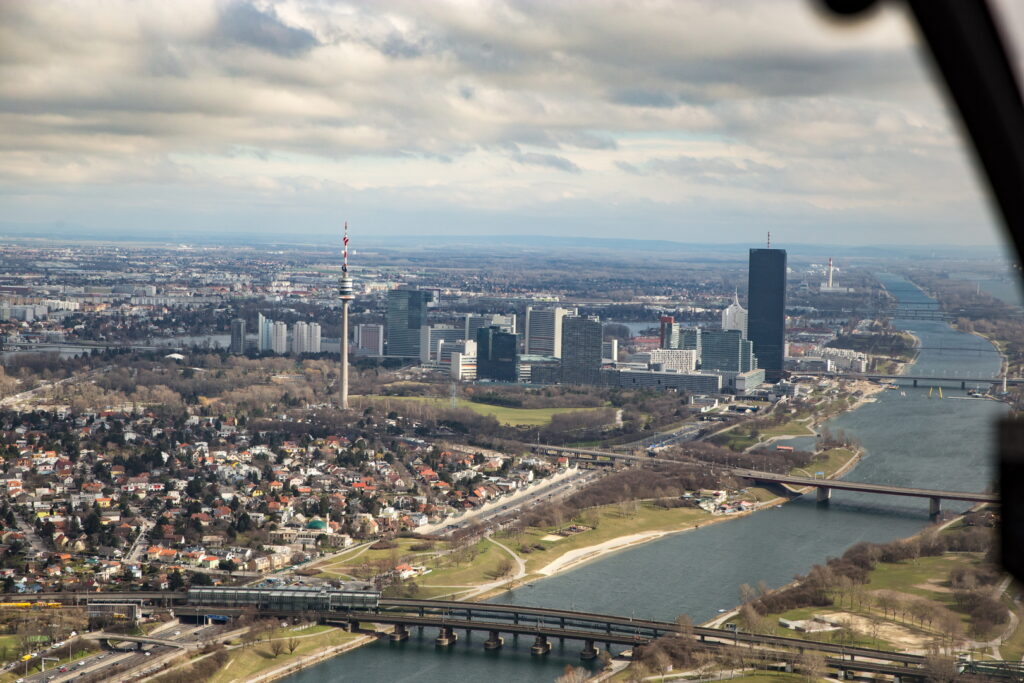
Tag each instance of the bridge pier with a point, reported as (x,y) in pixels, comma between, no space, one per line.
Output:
(400,633)
(353,625)
(446,637)
(824,495)
(540,646)
(589,652)
(963,385)
(934,506)
(915,382)
(494,641)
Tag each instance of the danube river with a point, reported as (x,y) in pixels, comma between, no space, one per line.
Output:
(910,439)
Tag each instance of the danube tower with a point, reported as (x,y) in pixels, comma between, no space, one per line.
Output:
(345,292)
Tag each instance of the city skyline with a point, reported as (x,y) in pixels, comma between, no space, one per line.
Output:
(685,121)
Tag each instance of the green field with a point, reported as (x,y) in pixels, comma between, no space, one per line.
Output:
(244,662)
(613,521)
(533,417)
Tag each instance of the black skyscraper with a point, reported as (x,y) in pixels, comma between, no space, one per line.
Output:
(496,354)
(581,350)
(766,302)
(406,314)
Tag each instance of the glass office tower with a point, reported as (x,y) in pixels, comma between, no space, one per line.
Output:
(766,313)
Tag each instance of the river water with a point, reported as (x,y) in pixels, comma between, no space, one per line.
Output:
(910,439)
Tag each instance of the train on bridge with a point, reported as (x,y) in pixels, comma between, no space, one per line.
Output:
(293,598)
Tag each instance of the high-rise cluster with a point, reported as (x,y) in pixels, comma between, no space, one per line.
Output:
(272,336)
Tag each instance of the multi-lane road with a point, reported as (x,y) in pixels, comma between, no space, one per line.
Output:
(108,664)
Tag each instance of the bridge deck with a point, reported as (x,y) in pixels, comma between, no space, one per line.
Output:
(866,488)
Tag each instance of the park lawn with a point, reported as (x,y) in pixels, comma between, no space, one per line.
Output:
(613,522)
(830,461)
(9,645)
(533,417)
(793,428)
(759,494)
(911,577)
(345,565)
(245,662)
(772,676)
(903,577)
(445,571)
(1012,648)
(735,440)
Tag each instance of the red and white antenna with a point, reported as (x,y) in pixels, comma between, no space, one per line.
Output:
(344,251)
(345,286)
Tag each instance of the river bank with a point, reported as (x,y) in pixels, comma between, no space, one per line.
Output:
(573,558)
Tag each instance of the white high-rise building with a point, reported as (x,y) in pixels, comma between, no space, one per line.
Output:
(313,338)
(264,333)
(544,330)
(279,338)
(734,316)
(300,338)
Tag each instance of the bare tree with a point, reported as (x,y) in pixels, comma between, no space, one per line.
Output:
(276,646)
(292,644)
(685,625)
(573,675)
(812,665)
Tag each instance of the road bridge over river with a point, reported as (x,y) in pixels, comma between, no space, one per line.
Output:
(963,380)
(824,486)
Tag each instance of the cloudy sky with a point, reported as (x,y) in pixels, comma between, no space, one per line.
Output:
(700,121)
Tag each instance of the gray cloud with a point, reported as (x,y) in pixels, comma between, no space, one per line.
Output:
(549,160)
(751,101)
(244,24)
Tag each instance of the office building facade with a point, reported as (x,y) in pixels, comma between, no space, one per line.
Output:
(406,316)
(581,350)
(544,330)
(496,354)
(727,350)
(369,339)
(507,323)
(433,336)
(766,315)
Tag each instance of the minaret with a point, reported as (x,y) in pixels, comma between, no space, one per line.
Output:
(345,292)
(830,272)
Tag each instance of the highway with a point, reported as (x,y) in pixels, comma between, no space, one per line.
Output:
(105,662)
(540,493)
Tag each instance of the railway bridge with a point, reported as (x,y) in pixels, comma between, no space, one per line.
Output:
(544,625)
